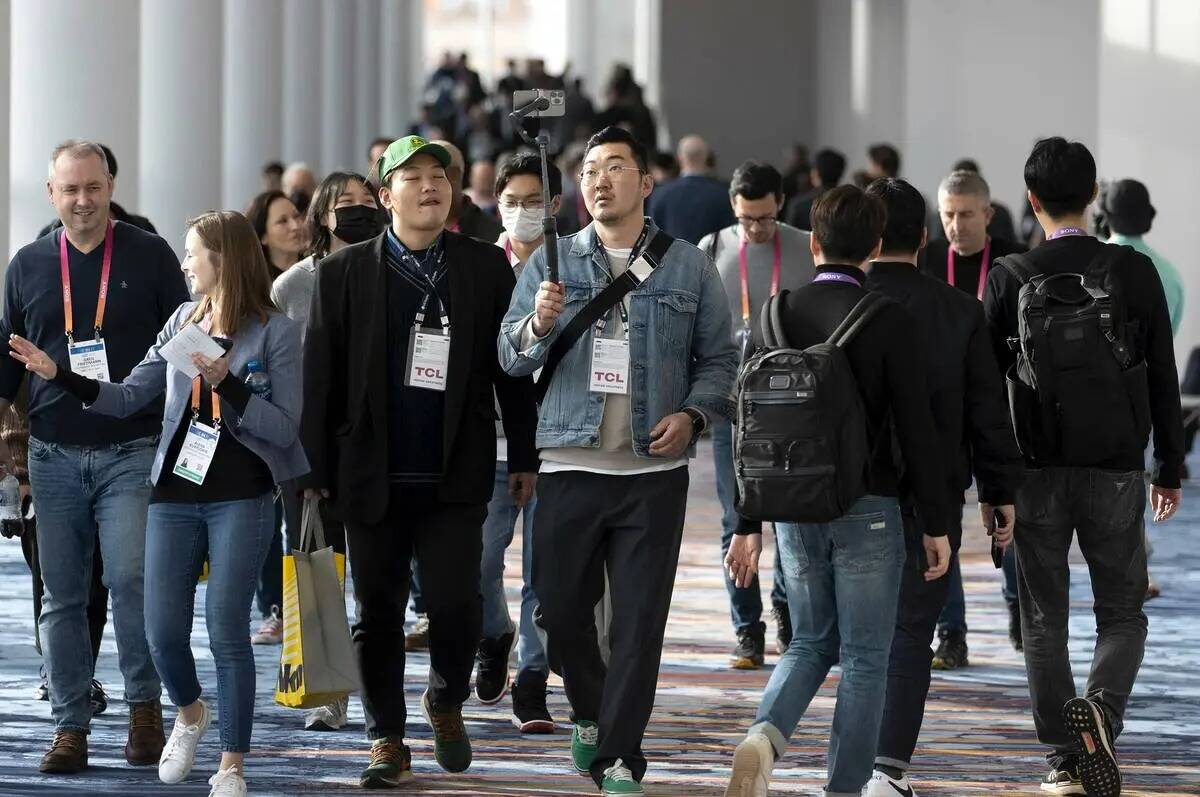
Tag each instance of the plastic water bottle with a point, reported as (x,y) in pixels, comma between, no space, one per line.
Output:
(10,496)
(258,381)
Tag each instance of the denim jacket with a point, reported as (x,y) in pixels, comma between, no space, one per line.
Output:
(681,351)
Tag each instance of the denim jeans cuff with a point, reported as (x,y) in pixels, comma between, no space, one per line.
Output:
(778,741)
(68,726)
(893,762)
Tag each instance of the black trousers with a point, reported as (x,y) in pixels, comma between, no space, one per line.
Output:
(1105,508)
(448,541)
(917,614)
(631,525)
(97,610)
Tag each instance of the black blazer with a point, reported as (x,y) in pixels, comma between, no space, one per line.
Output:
(345,424)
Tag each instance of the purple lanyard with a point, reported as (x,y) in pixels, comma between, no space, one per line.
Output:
(1065,231)
(836,276)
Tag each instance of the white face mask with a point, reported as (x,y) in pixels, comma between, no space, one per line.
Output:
(522,224)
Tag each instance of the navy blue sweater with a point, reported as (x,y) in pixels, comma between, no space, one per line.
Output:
(145,288)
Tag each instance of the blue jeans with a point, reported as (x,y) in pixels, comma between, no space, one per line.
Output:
(954,614)
(234,536)
(745,603)
(843,583)
(497,535)
(85,495)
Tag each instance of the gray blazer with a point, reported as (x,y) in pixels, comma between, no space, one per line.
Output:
(293,289)
(268,428)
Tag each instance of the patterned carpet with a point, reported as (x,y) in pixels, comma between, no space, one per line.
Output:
(978,738)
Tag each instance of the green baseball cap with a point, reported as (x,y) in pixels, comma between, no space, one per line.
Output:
(400,151)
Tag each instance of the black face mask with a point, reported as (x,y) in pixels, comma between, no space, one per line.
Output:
(357,223)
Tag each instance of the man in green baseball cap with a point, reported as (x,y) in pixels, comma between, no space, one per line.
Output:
(412,466)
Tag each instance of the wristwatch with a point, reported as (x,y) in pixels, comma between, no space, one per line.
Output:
(698,421)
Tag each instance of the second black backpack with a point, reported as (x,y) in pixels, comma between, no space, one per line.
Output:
(801,452)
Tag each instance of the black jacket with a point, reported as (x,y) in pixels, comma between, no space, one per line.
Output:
(887,362)
(1140,297)
(966,392)
(345,423)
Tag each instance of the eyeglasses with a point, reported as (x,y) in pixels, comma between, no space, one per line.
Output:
(524,204)
(590,176)
(766,222)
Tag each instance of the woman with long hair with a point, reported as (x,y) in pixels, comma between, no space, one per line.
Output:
(222,450)
(280,229)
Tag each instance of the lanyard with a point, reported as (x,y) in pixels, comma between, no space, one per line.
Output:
(634,254)
(1065,231)
(216,404)
(836,276)
(776,263)
(984,262)
(430,292)
(420,269)
(101,300)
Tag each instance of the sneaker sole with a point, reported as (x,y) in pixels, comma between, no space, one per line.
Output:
(534,726)
(62,770)
(607,793)
(266,640)
(1067,791)
(745,663)
(747,779)
(324,727)
(380,782)
(493,700)
(1098,768)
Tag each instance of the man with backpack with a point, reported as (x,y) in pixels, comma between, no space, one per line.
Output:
(1091,371)
(840,382)
(756,258)
(975,437)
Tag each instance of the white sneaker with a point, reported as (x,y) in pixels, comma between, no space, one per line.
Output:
(883,785)
(180,750)
(752,763)
(227,783)
(328,718)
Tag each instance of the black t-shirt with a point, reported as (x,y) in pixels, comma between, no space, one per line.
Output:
(1139,292)
(966,267)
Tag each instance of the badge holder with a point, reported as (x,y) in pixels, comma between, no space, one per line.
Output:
(610,359)
(428,360)
(200,442)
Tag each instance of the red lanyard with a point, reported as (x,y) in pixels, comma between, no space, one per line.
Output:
(508,251)
(776,264)
(984,263)
(453,227)
(101,300)
(216,403)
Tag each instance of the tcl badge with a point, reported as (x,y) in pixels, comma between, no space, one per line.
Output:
(428,360)
(610,366)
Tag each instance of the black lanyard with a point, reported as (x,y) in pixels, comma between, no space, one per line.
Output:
(634,254)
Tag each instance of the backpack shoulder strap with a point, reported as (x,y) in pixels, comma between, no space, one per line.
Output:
(858,317)
(657,248)
(1101,265)
(714,245)
(1020,266)
(771,319)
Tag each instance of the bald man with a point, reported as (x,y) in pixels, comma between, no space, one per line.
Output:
(465,217)
(696,203)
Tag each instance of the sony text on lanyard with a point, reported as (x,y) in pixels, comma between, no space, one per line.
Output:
(610,356)
(89,357)
(428,361)
(984,262)
(837,276)
(200,442)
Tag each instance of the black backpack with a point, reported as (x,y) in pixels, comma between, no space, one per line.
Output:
(801,452)
(1077,393)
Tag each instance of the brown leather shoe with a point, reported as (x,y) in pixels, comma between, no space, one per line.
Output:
(67,754)
(146,738)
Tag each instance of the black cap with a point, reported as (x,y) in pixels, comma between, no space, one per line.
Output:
(1127,207)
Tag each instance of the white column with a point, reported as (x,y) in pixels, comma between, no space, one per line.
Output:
(337,85)
(302,82)
(180,124)
(252,102)
(402,60)
(74,73)
(367,99)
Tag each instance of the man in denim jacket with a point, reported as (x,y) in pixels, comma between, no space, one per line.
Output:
(617,424)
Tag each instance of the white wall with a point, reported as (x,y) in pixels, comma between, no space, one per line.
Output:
(1148,122)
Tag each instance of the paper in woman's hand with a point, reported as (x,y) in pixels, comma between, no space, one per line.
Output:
(190,340)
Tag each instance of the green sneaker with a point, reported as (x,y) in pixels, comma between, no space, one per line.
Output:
(618,781)
(451,745)
(584,740)
(391,765)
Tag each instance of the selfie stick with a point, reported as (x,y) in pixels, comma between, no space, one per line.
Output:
(549,225)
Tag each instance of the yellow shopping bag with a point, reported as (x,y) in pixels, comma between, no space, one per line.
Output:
(316,665)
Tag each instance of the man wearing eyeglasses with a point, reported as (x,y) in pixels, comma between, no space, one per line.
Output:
(637,357)
(756,258)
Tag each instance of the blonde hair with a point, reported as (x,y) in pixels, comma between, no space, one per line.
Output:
(243,281)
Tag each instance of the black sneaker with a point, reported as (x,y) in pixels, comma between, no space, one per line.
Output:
(530,714)
(1064,780)
(98,698)
(491,668)
(951,652)
(783,628)
(751,646)
(1098,768)
(1014,626)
